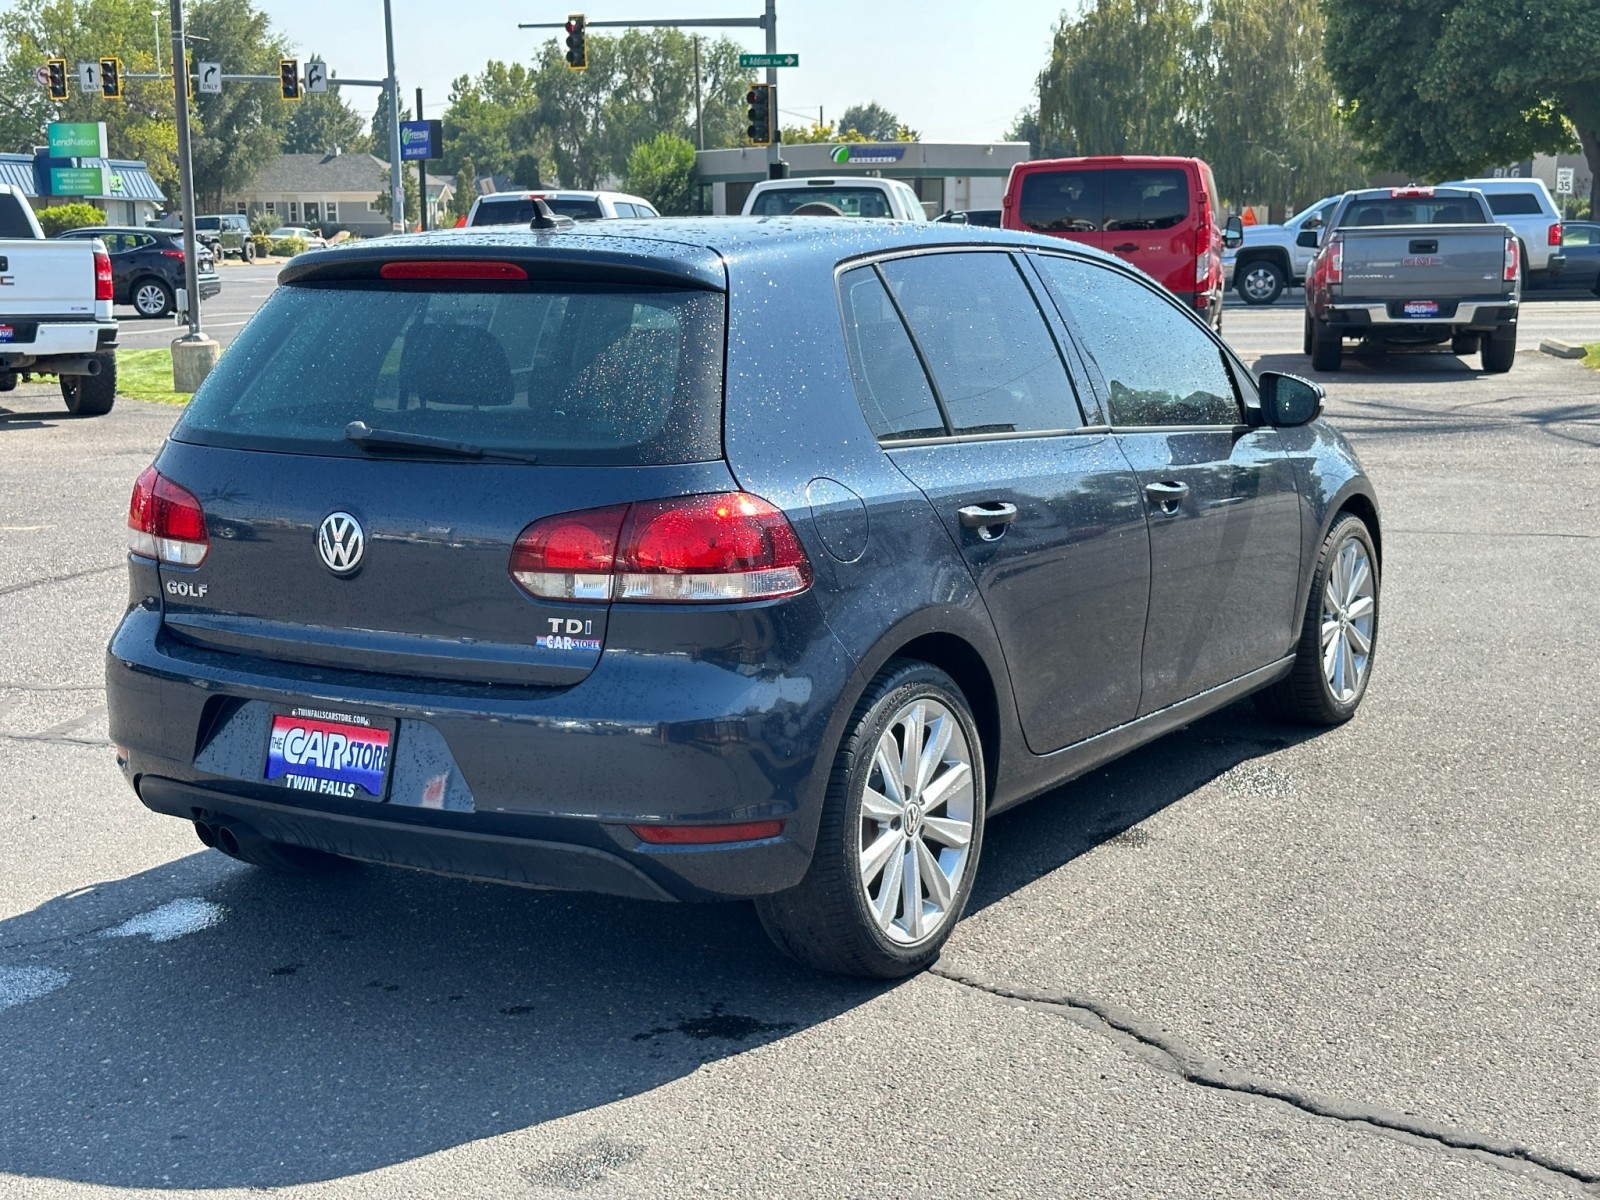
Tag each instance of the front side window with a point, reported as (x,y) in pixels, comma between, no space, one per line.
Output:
(1160,367)
(890,383)
(996,366)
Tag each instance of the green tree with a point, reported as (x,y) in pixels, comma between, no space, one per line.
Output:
(874,122)
(1270,128)
(323,121)
(379,133)
(141,126)
(408,187)
(1125,78)
(801,135)
(465,191)
(491,120)
(1444,88)
(240,130)
(662,171)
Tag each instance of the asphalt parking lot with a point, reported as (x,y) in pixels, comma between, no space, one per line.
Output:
(244,289)
(1244,961)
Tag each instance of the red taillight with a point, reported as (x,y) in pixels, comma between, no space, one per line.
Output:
(1411,193)
(177,254)
(165,522)
(1555,234)
(1513,258)
(693,550)
(452,270)
(1335,261)
(102,275)
(706,835)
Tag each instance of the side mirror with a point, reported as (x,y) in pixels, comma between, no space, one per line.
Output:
(1288,400)
(1233,233)
(1309,238)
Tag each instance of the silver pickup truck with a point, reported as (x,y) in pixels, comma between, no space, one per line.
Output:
(1413,266)
(55,311)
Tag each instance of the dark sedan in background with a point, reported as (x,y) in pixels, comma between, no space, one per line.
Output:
(1580,242)
(147,266)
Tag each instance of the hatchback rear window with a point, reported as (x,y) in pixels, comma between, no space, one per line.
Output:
(1062,201)
(850,201)
(520,212)
(569,374)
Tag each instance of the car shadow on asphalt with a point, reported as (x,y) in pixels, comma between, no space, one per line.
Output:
(204,1025)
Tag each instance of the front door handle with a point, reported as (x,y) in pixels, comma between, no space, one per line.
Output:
(1126,248)
(1166,495)
(988,519)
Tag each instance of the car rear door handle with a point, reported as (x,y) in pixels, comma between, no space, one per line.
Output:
(1126,247)
(988,519)
(1166,495)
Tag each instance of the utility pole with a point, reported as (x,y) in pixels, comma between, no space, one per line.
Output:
(699,112)
(397,191)
(194,354)
(422,179)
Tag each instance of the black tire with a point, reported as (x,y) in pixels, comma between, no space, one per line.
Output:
(1463,344)
(826,921)
(249,252)
(8,381)
(152,298)
(1306,347)
(1499,350)
(1260,281)
(1327,347)
(92,395)
(1305,696)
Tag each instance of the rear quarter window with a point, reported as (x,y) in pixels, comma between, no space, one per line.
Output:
(1514,204)
(572,375)
(1062,201)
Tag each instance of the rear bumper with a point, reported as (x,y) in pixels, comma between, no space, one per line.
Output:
(534,786)
(1487,312)
(57,339)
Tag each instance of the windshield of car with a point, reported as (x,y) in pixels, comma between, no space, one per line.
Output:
(850,201)
(571,374)
(520,212)
(1434,210)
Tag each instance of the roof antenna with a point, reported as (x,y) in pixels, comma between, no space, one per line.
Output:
(544,217)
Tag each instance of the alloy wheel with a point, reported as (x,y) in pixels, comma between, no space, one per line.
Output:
(150,300)
(1261,284)
(917,810)
(1349,611)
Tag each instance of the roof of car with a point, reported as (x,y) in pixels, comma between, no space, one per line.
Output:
(152,230)
(696,251)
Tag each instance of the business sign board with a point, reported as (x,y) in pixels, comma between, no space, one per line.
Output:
(79,181)
(420,140)
(863,154)
(77,139)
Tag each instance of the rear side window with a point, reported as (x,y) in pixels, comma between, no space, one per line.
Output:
(996,366)
(1159,366)
(890,382)
(1146,198)
(1514,204)
(1062,201)
(850,201)
(569,374)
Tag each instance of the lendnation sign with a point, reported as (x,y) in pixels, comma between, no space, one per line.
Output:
(77,139)
(769,60)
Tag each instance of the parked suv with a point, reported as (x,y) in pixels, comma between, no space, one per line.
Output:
(586,565)
(147,266)
(227,234)
(1157,213)
(1527,207)
(516,208)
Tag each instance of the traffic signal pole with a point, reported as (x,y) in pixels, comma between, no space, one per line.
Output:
(397,192)
(180,88)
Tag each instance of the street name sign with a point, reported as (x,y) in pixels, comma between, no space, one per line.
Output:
(769,60)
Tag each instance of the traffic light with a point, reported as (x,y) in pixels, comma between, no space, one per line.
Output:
(763,101)
(111,78)
(289,78)
(57,68)
(577,43)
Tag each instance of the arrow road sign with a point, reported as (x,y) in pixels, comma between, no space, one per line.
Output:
(210,77)
(316,77)
(769,60)
(88,77)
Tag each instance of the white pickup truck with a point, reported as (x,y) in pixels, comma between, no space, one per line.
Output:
(55,310)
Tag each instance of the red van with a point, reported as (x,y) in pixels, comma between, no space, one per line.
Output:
(1157,212)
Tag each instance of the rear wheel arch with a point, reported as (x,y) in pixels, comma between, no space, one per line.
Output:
(960,660)
(1273,254)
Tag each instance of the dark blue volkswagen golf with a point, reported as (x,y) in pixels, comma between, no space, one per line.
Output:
(712,559)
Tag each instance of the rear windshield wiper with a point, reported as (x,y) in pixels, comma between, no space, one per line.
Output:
(369,438)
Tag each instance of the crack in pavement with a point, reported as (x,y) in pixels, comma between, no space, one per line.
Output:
(1170,1055)
(99,743)
(33,583)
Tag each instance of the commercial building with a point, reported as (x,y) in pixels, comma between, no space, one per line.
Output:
(330,192)
(120,188)
(945,175)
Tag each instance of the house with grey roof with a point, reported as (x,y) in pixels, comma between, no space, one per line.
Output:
(329,192)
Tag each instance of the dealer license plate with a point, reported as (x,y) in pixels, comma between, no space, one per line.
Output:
(8,333)
(1422,308)
(330,754)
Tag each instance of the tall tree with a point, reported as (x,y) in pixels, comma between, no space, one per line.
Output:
(323,121)
(1125,78)
(872,120)
(238,131)
(662,171)
(380,125)
(491,122)
(1444,88)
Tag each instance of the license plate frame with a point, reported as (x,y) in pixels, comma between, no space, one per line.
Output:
(351,774)
(1421,310)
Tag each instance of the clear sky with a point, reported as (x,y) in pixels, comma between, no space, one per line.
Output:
(956,71)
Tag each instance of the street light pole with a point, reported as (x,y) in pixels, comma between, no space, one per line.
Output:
(397,194)
(180,88)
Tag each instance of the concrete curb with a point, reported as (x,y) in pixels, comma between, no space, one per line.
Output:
(1558,349)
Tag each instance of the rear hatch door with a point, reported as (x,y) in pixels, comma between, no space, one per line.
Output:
(582,389)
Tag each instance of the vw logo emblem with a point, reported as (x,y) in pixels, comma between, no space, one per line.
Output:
(341,543)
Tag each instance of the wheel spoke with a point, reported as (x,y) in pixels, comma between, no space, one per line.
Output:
(933,753)
(1330,630)
(878,807)
(1358,578)
(952,833)
(1362,607)
(934,878)
(1330,660)
(915,725)
(911,892)
(876,856)
(1362,643)
(945,786)
(1347,671)
(888,901)
(890,770)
